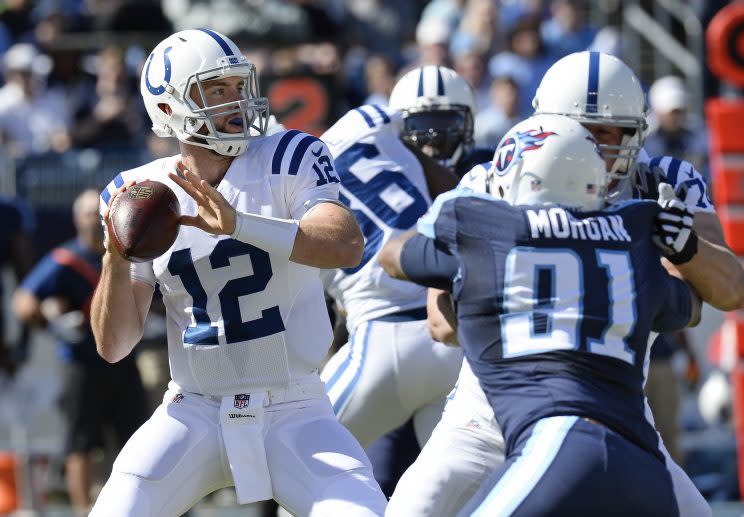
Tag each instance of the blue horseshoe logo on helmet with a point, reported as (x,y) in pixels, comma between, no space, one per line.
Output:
(160,89)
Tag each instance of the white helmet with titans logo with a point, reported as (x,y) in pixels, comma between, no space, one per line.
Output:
(174,76)
(549,159)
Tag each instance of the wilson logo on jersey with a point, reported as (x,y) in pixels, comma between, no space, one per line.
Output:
(515,145)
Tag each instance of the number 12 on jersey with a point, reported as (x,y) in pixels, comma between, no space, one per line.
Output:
(203,331)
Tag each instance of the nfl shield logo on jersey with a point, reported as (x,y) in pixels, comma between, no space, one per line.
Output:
(241,400)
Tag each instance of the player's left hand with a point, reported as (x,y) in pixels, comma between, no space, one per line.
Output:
(214,214)
(673,233)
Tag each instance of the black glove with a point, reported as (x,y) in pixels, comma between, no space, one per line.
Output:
(673,233)
(647,180)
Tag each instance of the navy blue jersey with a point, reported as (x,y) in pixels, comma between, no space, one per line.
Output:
(69,271)
(555,307)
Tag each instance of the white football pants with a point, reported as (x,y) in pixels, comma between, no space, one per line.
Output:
(315,466)
(388,372)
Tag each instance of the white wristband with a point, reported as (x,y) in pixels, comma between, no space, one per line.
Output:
(268,233)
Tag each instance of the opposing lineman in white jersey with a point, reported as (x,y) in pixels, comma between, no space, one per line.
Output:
(247,323)
(391,369)
(606,97)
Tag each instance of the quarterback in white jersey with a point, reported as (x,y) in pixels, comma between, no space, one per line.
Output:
(468,436)
(391,369)
(246,319)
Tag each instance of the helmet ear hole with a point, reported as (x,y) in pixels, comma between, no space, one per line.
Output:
(165,108)
(501,191)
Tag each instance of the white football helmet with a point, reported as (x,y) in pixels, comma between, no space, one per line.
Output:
(549,159)
(174,75)
(437,109)
(598,88)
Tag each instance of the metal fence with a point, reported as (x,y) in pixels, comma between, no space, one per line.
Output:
(55,179)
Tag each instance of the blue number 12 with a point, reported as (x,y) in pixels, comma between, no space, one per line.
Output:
(203,332)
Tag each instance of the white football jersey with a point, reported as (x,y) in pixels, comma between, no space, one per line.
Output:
(238,318)
(384,185)
(677,173)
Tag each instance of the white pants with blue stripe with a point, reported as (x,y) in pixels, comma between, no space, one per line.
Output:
(388,372)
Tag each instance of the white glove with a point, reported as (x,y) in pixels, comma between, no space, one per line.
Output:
(673,233)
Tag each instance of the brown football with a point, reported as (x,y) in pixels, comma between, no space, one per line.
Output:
(143,221)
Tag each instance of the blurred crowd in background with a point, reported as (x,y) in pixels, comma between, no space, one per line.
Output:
(71,67)
(71,116)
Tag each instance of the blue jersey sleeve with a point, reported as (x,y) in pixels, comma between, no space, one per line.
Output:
(44,279)
(677,310)
(428,263)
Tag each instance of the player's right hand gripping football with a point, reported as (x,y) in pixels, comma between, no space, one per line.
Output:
(214,214)
(673,233)
(110,249)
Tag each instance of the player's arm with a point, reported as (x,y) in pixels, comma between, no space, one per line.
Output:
(696,309)
(120,304)
(389,256)
(325,236)
(328,236)
(118,309)
(683,307)
(419,259)
(439,178)
(440,317)
(696,248)
(714,270)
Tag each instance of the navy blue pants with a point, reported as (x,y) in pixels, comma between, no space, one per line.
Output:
(569,466)
(392,454)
